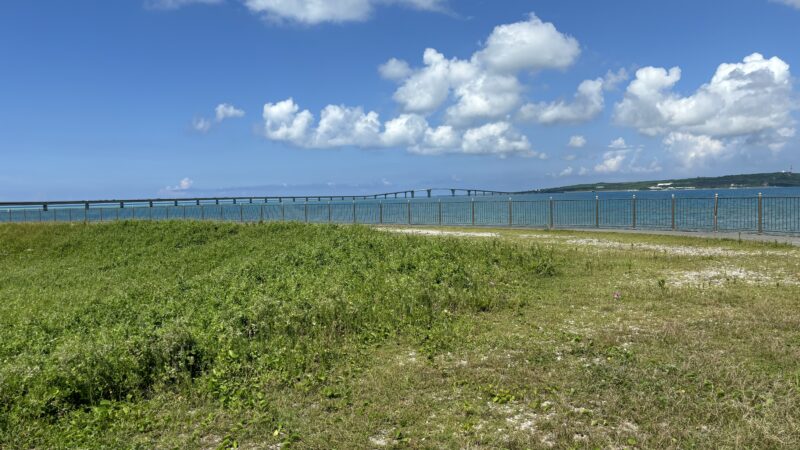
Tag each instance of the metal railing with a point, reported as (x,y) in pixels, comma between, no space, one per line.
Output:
(776,215)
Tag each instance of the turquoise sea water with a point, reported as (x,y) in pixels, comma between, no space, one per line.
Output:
(734,210)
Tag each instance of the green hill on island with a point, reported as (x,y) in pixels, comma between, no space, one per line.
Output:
(776,179)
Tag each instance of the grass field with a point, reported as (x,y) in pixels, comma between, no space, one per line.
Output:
(202,335)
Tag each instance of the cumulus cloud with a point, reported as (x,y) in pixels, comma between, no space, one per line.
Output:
(612,161)
(618,144)
(529,45)
(222,112)
(566,172)
(486,86)
(175,4)
(394,69)
(225,111)
(496,137)
(577,141)
(750,102)
(475,97)
(587,103)
(314,12)
(691,150)
(341,126)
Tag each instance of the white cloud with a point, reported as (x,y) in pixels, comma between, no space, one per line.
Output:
(749,103)
(183,185)
(793,3)
(583,171)
(341,126)
(225,111)
(612,161)
(175,4)
(529,45)
(692,150)
(498,138)
(618,144)
(283,122)
(478,96)
(394,69)
(566,172)
(405,130)
(201,125)
(588,102)
(612,79)
(577,141)
(586,105)
(427,89)
(486,86)
(222,111)
(487,96)
(313,12)
(624,158)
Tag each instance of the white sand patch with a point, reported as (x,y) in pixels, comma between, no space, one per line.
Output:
(678,250)
(523,421)
(426,232)
(380,440)
(717,276)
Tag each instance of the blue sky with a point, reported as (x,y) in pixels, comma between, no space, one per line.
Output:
(136,98)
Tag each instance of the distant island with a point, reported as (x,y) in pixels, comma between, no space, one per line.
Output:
(776,179)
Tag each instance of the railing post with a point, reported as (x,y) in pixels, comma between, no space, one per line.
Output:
(633,210)
(330,215)
(673,212)
(716,209)
(305,210)
(440,211)
(283,212)
(261,213)
(380,212)
(597,211)
(760,214)
(354,210)
(202,212)
(510,216)
(472,201)
(551,221)
(408,203)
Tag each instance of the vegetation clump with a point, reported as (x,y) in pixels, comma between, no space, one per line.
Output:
(95,315)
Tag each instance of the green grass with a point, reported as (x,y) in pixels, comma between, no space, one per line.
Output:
(201,335)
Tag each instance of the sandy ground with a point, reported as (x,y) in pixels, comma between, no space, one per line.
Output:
(717,275)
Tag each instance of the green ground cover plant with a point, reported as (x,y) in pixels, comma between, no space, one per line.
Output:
(216,335)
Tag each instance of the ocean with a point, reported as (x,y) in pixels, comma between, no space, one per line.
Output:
(778,210)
